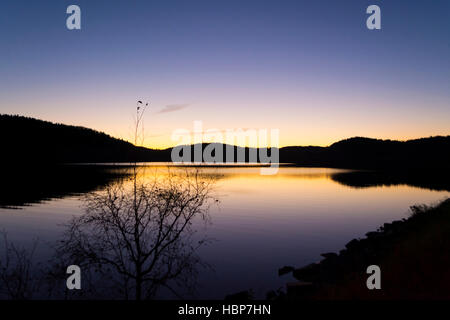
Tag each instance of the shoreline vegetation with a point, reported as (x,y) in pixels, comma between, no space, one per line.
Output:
(413,255)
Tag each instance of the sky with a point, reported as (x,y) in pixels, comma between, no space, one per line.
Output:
(310,69)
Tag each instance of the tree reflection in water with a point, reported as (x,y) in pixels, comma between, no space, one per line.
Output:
(135,237)
(138,236)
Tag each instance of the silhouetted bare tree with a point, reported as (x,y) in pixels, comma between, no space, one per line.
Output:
(142,232)
(18,274)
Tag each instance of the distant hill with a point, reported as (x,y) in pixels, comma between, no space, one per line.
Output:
(28,140)
(366,153)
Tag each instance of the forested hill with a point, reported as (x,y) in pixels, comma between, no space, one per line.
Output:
(364,153)
(28,140)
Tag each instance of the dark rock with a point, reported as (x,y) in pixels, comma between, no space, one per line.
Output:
(275,295)
(396,225)
(299,289)
(372,234)
(329,255)
(353,244)
(240,296)
(307,273)
(284,270)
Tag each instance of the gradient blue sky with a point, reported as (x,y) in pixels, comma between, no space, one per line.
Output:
(308,68)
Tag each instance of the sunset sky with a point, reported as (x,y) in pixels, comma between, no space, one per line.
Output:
(308,68)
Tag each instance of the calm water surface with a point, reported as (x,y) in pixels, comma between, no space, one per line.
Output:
(261,224)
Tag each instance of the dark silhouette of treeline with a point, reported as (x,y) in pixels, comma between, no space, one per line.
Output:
(28,140)
(31,140)
(366,153)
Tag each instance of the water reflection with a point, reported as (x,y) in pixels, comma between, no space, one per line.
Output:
(262,223)
(134,237)
(432,180)
(24,186)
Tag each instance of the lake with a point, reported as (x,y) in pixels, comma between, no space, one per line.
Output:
(260,224)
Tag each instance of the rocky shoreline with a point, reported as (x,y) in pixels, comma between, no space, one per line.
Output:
(413,254)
